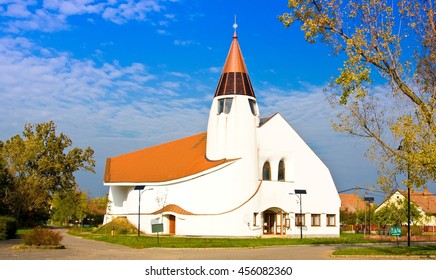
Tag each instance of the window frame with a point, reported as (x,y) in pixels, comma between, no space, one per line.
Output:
(266,168)
(315,220)
(281,174)
(300,218)
(224,105)
(329,217)
(252,103)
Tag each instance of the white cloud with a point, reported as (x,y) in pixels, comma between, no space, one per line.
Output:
(18,10)
(184,43)
(53,15)
(131,10)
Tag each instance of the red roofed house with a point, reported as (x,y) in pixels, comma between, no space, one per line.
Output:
(424,201)
(351,202)
(237,179)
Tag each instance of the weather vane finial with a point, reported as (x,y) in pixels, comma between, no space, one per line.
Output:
(235,25)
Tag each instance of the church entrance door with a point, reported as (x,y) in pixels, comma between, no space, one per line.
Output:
(269,219)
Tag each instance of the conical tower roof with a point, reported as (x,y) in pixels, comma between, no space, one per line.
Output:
(234,78)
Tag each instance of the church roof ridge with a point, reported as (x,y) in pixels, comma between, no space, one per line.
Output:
(162,163)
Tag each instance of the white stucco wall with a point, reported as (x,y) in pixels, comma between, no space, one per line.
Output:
(304,170)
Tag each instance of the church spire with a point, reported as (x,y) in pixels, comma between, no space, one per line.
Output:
(234,77)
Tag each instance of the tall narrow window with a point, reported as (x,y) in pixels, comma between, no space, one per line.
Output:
(252,106)
(266,172)
(255,219)
(281,174)
(228,105)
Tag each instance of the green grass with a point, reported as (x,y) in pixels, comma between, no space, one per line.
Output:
(134,241)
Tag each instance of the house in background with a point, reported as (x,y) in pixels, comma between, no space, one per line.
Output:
(424,201)
(351,203)
(351,207)
(242,177)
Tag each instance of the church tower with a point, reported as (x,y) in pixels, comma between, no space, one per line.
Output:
(234,114)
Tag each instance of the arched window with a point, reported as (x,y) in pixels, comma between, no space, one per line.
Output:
(281,174)
(266,173)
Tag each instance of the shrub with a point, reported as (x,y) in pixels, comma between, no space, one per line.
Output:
(8,228)
(42,237)
(416,230)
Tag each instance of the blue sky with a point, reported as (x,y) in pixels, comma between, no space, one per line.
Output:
(124,75)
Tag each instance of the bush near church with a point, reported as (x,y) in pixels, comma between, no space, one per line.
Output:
(42,237)
(8,227)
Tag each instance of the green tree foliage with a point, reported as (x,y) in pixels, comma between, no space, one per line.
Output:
(40,164)
(67,206)
(393,42)
(75,206)
(395,214)
(347,217)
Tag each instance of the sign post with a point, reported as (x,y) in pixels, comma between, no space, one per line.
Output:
(157,228)
(395,231)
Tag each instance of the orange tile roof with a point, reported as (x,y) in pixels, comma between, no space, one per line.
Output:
(172,208)
(169,161)
(352,202)
(425,200)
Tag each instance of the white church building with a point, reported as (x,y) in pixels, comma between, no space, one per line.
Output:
(244,176)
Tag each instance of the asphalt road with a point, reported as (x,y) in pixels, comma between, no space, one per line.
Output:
(77,248)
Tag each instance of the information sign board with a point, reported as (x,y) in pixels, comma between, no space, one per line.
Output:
(157,228)
(395,231)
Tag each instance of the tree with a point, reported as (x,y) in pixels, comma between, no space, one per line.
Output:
(41,164)
(69,205)
(96,209)
(6,182)
(395,214)
(77,206)
(389,41)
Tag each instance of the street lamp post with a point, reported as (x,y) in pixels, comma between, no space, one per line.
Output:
(300,192)
(400,147)
(369,199)
(140,190)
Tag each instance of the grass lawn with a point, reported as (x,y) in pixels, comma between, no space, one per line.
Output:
(134,241)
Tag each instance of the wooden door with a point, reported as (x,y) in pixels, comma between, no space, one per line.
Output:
(172,229)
